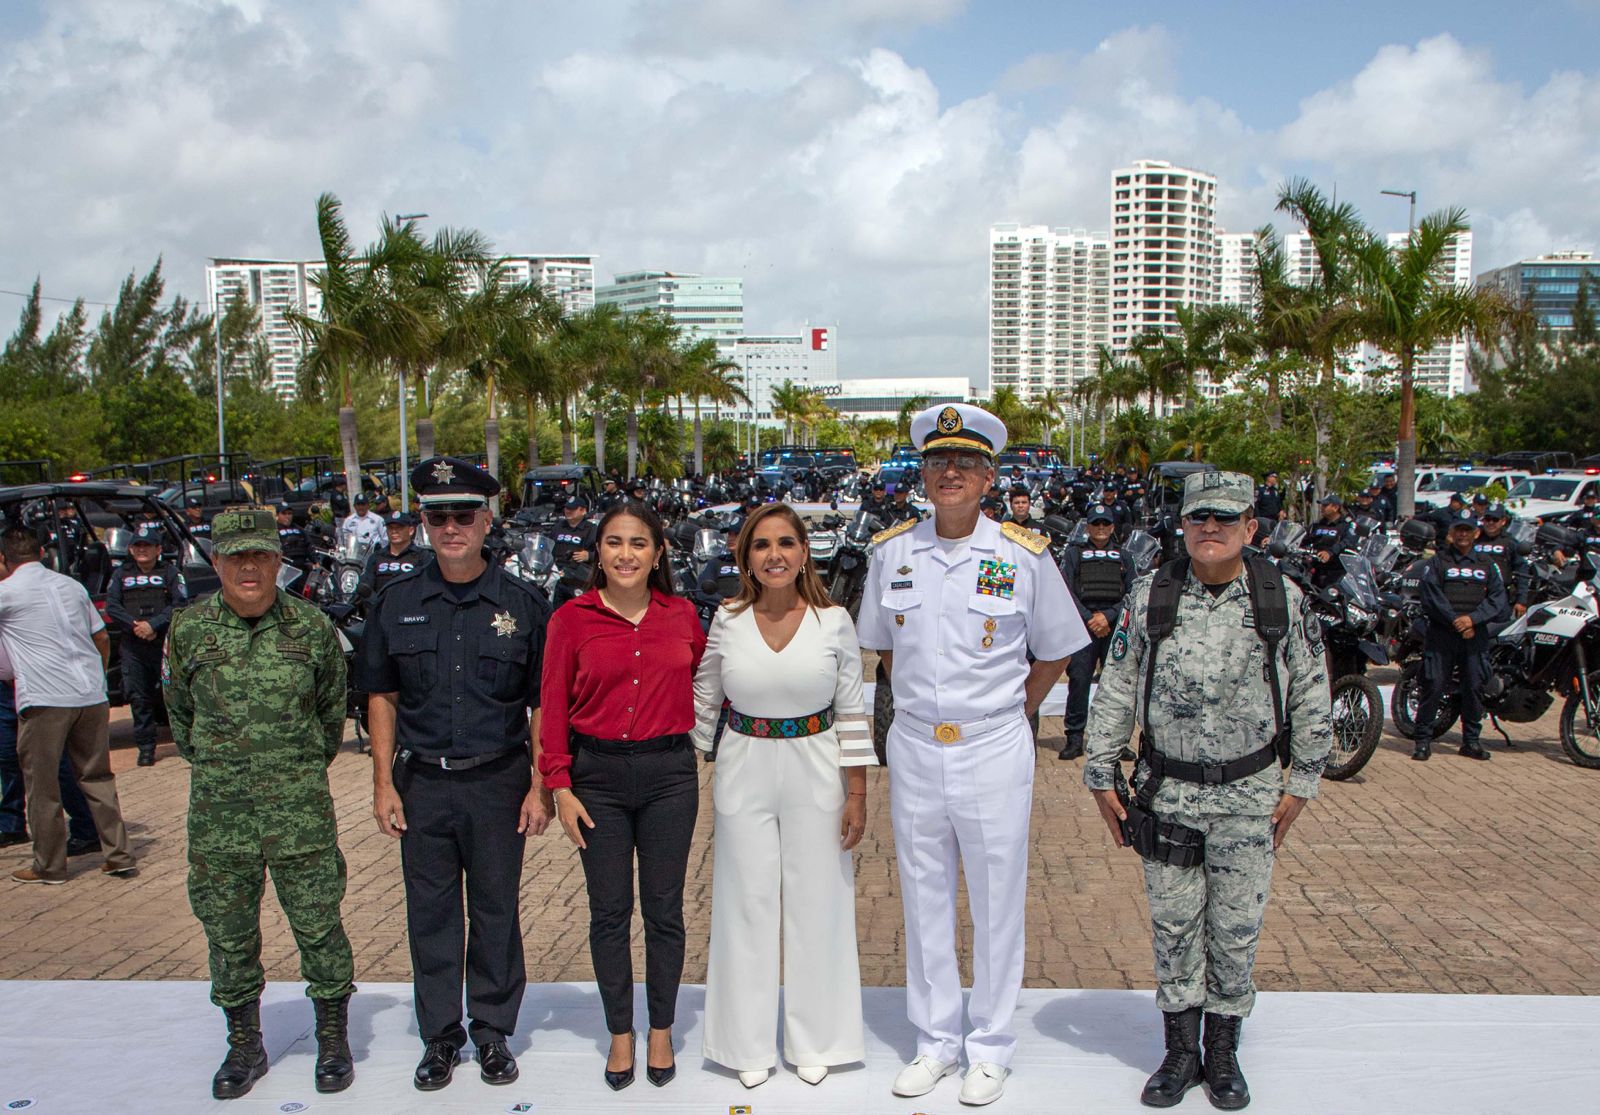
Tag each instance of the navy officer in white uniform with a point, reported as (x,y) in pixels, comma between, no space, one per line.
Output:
(955,604)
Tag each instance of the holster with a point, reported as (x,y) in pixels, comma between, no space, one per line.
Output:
(1155,840)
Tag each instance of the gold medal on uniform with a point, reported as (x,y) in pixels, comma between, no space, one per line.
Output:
(988,626)
(899,621)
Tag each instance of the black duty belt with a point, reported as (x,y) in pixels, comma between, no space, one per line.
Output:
(1212,774)
(445,762)
(578,740)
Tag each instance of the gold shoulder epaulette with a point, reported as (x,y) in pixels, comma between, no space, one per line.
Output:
(899,528)
(1022,536)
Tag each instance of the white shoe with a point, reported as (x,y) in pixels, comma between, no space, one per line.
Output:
(753,1079)
(919,1077)
(812,1074)
(984,1083)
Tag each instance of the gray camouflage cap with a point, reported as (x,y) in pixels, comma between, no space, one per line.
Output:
(1232,493)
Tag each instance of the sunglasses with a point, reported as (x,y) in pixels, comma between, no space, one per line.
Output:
(1222,518)
(440,518)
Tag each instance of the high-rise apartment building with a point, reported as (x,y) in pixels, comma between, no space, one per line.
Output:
(1236,281)
(569,278)
(1049,297)
(809,358)
(1547,286)
(273,287)
(700,305)
(1163,246)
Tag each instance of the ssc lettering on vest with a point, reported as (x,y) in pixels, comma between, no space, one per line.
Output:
(154,580)
(1102,555)
(1465,573)
(395,567)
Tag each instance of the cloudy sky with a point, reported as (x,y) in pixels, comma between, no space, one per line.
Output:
(846,157)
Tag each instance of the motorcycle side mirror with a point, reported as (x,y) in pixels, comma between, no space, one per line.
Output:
(363,592)
(1278,549)
(1524,548)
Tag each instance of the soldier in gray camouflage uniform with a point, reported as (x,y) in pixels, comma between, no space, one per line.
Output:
(255,684)
(1211,704)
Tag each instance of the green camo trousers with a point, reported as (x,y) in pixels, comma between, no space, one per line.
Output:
(225,894)
(1206,920)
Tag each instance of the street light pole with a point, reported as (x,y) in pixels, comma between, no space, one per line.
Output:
(222,441)
(405,457)
(1411,223)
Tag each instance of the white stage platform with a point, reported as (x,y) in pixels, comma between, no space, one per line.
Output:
(151,1047)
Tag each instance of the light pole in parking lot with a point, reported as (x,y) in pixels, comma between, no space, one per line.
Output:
(400,378)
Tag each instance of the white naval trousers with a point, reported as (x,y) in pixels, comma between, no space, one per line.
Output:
(778,806)
(971,800)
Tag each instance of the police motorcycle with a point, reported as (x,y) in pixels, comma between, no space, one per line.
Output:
(349,623)
(847,573)
(533,559)
(1347,614)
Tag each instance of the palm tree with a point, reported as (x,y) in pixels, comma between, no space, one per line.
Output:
(1051,407)
(590,347)
(706,375)
(790,403)
(879,432)
(1021,420)
(1405,306)
(1133,433)
(650,360)
(1285,318)
(909,409)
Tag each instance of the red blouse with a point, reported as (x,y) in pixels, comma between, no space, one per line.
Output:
(611,679)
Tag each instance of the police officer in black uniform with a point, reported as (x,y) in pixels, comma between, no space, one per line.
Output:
(339,497)
(1330,537)
(401,556)
(574,540)
(610,494)
(451,661)
(877,502)
(1269,501)
(292,537)
(144,590)
(902,508)
(1099,575)
(1444,517)
(1020,501)
(1461,595)
(1495,544)
(194,519)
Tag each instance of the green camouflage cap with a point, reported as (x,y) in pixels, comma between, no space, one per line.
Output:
(1232,493)
(238,532)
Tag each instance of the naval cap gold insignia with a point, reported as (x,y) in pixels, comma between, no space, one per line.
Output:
(949,420)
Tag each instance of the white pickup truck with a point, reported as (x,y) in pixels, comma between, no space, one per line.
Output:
(1554,493)
(1446,482)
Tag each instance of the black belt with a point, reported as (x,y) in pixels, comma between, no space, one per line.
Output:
(1211,774)
(445,762)
(577,740)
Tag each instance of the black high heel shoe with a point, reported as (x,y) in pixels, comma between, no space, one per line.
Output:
(660,1077)
(617,1081)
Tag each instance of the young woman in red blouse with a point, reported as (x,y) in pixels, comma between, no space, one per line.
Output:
(618,704)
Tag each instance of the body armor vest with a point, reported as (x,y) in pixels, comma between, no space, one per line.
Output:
(1324,535)
(1100,577)
(199,530)
(145,594)
(1497,550)
(390,566)
(1466,585)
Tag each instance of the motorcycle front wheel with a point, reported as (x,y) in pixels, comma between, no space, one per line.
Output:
(1357,720)
(1581,744)
(882,714)
(1407,696)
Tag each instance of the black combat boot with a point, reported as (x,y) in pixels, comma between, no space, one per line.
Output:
(1180,1068)
(1224,1079)
(1421,750)
(246,1061)
(335,1067)
(1474,750)
(1074,747)
(147,755)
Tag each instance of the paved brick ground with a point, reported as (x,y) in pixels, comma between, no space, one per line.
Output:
(1452,876)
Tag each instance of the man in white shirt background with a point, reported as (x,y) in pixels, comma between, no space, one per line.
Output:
(364,524)
(59,649)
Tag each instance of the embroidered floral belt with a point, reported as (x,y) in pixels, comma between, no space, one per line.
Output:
(775,727)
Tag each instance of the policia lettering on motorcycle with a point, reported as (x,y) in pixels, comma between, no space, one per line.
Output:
(1462,597)
(1219,662)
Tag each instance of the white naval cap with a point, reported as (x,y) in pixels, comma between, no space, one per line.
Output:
(958,426)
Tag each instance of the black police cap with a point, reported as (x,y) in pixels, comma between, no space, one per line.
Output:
(440,477)
(192,501)
(1099,514)
(575,502)
(400,519)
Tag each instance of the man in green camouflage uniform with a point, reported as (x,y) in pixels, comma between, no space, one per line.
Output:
(255,685)
(1211,704)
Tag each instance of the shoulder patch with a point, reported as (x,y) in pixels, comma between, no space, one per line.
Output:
(1032,541)
(899,528)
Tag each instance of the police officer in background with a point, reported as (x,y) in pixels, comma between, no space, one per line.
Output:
(1209,706)
(362,523)
(1461,595)
(194,518)
(1383,504)
(1444,517)
(401,556)
(1495,544)
(1330,537)
(955,606)
(1269,505)
(451,662)
(610,494)
(902,510)
(292,538)
(1099,576)
(877,502)
(574,540)
(144,591)
(1021,502)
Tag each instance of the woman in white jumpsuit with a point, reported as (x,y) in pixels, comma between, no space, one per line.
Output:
(790,797)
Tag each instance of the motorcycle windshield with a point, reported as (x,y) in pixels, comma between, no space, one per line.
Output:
(1142,550)
(1522,532)
(538,553)
(1291,534)
(116,540)
(287,575)
(1359,585)
(863,527)
(706,543)
(352,547)
(1382,552)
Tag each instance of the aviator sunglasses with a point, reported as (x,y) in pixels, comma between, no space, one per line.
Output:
(1223,518)
(440,518)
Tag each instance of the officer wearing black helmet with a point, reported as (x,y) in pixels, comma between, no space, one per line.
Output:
(574,539)
(292,537)
(194,519)
(1495,544)
(400,556)
(144,591)
(1099,575)
(1461,595)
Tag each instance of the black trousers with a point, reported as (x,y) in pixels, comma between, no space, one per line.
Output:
(1444,657)
(461,826)
(643,798)
(141,684)
(1080,672)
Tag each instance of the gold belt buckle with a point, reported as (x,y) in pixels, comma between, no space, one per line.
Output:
(947,733)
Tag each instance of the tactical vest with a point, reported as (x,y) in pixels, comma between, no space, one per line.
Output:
(1324,535)
(199,530)
(144,594)
(1498,551)
(568,541)
(1466,585)
(390,566)
(1100,577)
